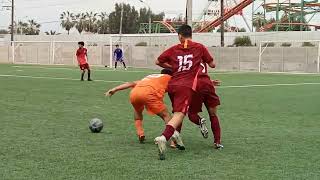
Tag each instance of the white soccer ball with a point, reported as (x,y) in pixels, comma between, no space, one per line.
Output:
(95,125)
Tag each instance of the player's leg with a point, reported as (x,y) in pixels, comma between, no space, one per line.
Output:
(138,121)
(180,98)
(82,74)
(215,127)
(115,64)
(124,64)
(194,109)
(89,72)
(136,99)
(212,101)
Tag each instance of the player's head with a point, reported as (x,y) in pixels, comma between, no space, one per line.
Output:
(81,44)
(166,71)
(117,46)
(184,32)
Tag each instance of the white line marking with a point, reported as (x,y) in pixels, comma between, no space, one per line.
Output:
(220,87)
(153,71)
(74,69)
(53,78)
(269,85)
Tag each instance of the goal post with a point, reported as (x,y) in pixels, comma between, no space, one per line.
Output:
(289,56)
(140,50)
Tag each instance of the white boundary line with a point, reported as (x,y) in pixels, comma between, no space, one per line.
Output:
(220,87)
(153,71)
(53,78)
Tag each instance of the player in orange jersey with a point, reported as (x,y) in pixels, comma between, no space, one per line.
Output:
(147,93)
(82,60)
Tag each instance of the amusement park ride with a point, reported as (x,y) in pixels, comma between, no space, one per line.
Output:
(210,19)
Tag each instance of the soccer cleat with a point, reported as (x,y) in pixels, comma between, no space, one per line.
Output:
(161,143)
(203,128)
(81,80)
(142,139)
(218,146)
(177,138)
(89,79)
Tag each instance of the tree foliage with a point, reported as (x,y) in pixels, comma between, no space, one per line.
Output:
(103,23)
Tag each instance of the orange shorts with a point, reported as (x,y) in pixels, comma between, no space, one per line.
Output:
(145,97)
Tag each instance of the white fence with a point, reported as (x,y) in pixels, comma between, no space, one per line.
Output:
(276,58)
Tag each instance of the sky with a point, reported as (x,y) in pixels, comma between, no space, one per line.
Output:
(46,12)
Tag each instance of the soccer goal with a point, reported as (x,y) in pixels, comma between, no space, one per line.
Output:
(289,56)
(141,50)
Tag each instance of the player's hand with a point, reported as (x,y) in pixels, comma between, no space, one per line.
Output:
(216,82)
(110,93)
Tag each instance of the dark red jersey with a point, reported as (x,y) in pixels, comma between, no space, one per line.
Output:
(185,60)
(82,56)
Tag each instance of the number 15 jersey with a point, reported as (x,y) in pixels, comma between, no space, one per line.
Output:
(185,60)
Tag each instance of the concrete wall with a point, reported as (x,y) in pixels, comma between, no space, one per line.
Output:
(273,59)
(209,39)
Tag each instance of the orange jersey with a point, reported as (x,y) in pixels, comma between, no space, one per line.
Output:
(149,93)
(158,82)
(82,56)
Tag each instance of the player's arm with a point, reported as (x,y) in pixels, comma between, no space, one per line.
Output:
(216,82)
(207,58)
(163,59)
(121,87)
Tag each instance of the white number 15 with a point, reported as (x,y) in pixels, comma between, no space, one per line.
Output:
(185,62)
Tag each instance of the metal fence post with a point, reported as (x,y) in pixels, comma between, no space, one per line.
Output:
(318,60)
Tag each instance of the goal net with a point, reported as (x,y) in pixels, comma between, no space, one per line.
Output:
(289,56)
(141,50)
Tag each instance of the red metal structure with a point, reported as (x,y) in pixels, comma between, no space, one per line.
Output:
(226,16)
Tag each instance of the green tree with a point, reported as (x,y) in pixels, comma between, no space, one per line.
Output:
(91,22)
(3,31)
(67,21)
(130,19)
(80,22)
(103,23)
(33,27)
(51,32)
(258,21)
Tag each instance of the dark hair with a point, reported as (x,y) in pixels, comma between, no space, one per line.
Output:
(117,45)
(81,43)
(166,71)
(185,31)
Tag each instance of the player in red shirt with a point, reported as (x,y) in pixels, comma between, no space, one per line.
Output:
(82,60)
(206,94)
(185,61)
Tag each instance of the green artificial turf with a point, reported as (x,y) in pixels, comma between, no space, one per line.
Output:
(270,132)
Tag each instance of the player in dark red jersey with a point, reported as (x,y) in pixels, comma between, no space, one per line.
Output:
(82,60)
(185,61)
(206,94)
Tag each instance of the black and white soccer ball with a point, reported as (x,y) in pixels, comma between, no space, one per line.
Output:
(95,125)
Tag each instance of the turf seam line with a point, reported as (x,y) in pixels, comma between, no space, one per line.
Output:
(220,87)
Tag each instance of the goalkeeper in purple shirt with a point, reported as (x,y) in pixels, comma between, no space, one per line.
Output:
(118,56)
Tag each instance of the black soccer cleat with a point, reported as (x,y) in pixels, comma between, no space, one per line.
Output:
(142,139)
(90,80)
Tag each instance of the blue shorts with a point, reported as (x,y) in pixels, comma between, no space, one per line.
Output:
(119,60)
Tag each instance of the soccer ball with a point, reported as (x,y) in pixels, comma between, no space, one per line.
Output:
(95,125)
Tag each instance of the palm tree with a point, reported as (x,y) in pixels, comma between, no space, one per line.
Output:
(91,20)
(22,27)
(67,21)
(80,22)
(51,32)
(33,27)
(103,23)
(258,20)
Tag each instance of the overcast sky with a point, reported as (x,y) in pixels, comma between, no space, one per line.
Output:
(47,12)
